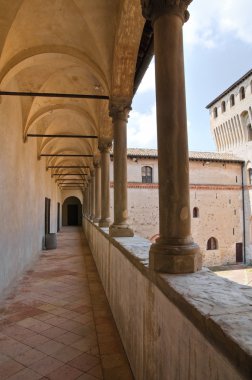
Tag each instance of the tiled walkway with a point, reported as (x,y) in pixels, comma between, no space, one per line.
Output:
(57,323)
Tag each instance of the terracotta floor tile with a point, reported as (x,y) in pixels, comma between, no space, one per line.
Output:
(46,365)
(29,357)
(86,376)
(68,338)
(50,347)
(36,340)
(66,354)
(65,373)
(25,374)
(96,372)
(85,344)
(53,332)
(9,368)
(56,320)
(84,362)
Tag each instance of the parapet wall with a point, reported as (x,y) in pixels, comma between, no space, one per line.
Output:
(195,326)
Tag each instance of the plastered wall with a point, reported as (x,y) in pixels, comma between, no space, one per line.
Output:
(24,184)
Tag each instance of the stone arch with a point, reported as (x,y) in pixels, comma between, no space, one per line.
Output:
(71,211)
(246,124)
(195,212)
(212,244)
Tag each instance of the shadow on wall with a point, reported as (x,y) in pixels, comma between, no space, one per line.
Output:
(71,212)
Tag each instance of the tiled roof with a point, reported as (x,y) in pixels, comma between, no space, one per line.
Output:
(211,156)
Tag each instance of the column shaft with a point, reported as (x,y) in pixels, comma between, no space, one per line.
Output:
(120,226)
(105,184)
(174,251)
(97,192)
(92,195)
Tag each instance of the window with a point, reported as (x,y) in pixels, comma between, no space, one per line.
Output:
(242,93)
(195,212)
(215,111)
(232,100)
(250,176)
(212,244)
(223,106)
(146,174)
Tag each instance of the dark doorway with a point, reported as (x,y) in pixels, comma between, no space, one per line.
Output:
(72,215)
(47,215)
(71,212)
(58,217)
(239,254)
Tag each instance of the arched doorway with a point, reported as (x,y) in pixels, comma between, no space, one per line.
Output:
(71,212)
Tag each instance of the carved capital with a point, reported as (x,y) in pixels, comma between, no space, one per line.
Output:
(97,163)
(104,146)
(153,9)
(119,111)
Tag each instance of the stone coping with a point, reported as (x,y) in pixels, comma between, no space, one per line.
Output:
(219,308)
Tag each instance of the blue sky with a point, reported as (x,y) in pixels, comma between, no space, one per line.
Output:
(218,51)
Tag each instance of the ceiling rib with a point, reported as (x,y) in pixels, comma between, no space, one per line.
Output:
(65,155)
(54,95)
(63,136)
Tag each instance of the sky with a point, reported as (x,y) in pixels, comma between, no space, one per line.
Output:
(217,52)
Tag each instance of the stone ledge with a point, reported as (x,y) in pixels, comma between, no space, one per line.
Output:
(219,308)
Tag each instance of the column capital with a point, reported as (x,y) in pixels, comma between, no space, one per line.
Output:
(119,110)
(153,9)
(104,146)
(97,163)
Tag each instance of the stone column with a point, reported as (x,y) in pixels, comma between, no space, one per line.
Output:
(89,198)
(120,226)
(92,194)
(174,251)
(104,148)
(97,166)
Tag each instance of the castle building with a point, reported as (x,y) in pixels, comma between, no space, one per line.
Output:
(216,202)
(231,126)
(231,118)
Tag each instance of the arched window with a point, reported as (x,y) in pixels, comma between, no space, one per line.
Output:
(215,112)
(195,212)
(223,106)
(212,244)
(250,176)
(232,100)
(242,93)
(146,174)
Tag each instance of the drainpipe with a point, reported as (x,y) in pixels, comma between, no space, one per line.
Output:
(243,211)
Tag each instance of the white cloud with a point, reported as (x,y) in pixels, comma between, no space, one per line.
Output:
(148,81)
(142,130)
(211,21)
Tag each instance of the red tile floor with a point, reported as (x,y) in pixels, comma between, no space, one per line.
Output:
(56,324)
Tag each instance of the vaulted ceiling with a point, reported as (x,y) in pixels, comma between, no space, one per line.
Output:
(78,47)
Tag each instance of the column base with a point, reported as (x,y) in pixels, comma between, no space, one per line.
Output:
(176,259)
(104,223)
(116,230)
(96,220)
